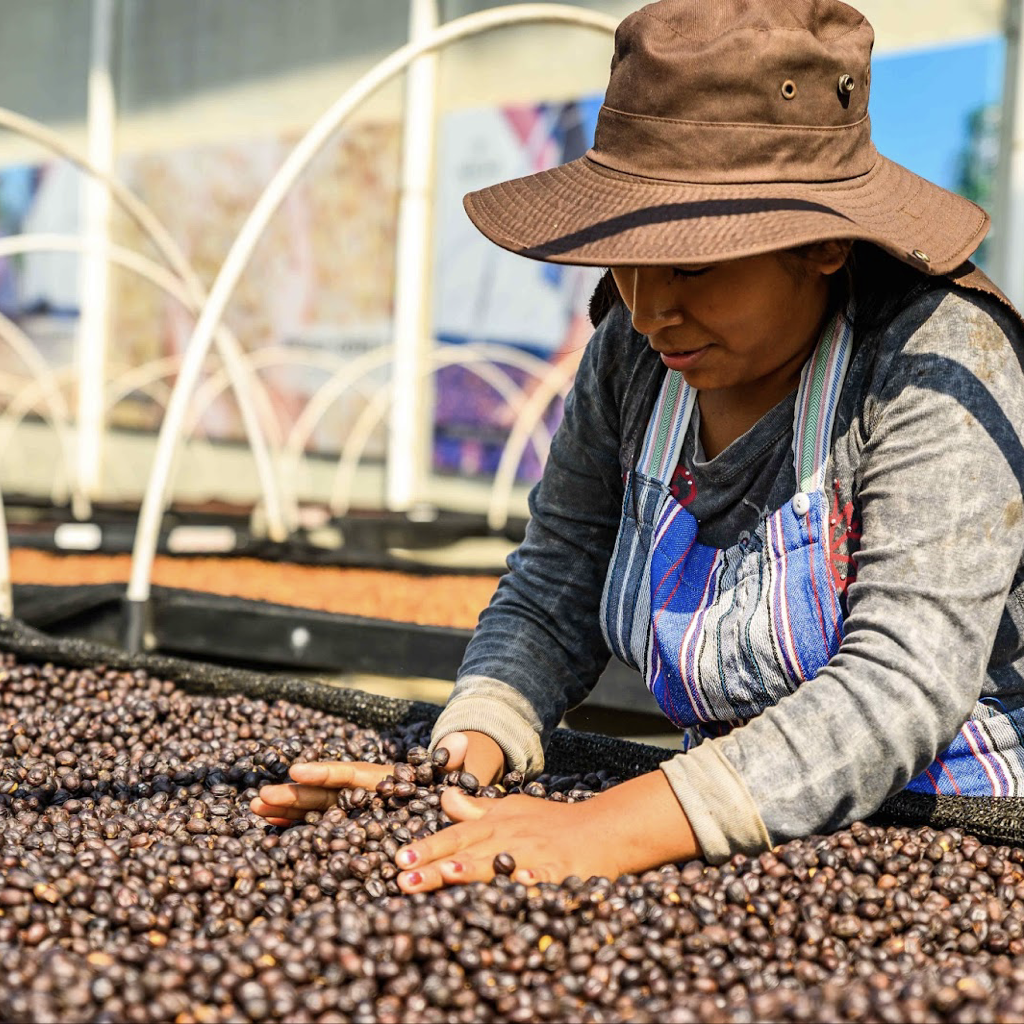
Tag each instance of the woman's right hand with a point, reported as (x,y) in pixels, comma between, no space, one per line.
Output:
(316,784)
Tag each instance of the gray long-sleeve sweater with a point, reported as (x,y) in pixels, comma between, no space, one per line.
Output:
(928,471)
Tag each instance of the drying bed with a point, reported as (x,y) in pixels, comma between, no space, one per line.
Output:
(137,886)
(429,599)
(279,614)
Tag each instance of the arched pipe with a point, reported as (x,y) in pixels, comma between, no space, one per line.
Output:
(18,245)
(556,383)
(271,357)
(371,417)
(140,378)
(30,397)
(6,593)
(252,231)
(155,390)
(228,347)
(350,373)
(25,399)
(145,379)
(362,366)
(170,251)
(57,413)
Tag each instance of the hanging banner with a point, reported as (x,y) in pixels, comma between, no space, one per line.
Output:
(483,294)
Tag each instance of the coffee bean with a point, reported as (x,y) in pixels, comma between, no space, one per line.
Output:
(504,864)
(136,885)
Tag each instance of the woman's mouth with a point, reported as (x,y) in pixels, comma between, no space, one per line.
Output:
(684,360)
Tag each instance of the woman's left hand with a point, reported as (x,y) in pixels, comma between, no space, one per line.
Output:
(630,828)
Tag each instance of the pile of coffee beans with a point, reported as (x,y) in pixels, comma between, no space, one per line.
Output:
(135,885)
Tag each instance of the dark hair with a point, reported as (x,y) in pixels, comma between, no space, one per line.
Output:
(605,296)
(880,284)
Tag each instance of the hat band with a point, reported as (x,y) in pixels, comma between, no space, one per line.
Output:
(692,151)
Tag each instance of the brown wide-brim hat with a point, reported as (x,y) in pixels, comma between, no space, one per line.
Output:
(731,128)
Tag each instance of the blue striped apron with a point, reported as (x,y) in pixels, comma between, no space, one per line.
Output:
(722,634)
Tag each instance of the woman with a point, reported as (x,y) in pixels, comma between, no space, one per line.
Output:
(788,486)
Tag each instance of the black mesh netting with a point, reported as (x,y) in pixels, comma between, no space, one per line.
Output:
(999,820)
(569,752)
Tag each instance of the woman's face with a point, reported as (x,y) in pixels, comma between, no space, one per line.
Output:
(738,325)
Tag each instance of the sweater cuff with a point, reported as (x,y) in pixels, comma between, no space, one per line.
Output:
(501,712)
(722,813)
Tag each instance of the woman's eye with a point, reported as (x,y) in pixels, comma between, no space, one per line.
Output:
(684,272)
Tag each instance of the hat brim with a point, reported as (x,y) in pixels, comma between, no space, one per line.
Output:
(586,214)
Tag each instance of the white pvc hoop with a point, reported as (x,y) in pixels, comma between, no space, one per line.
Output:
(145,379)
(45,379)
(230,351)
(172,286)
(158,391)
(557,382)
(45,376)
(146,534)
(271,357)
(352,374)
(24,401)
(10,383)
(6,593)
(140,378)
(14,245)
(370,418)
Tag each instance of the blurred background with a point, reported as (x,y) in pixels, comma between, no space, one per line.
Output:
(366,357)
(194,105)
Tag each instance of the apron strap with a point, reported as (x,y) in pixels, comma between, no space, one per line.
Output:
(820,384)
(667,428)
(817,400)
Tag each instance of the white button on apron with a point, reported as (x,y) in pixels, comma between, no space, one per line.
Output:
(801,504)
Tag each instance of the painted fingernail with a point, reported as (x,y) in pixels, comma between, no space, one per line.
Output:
(412,878)
(456,867)
(407,858)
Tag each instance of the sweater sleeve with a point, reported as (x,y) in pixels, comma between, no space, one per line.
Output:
(538,648)
(940,492)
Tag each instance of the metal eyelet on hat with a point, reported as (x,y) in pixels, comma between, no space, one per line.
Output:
(789,89)
(846,85)
(922,256)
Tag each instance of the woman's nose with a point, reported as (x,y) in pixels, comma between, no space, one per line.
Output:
(653,302)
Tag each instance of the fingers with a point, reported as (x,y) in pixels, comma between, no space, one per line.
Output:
(467,867)
(460,807)
(456,743)
(457,871)
(442,844)
(302,798)
(532,876)
(268,810)
(484,758)
(475,752)
(339,774)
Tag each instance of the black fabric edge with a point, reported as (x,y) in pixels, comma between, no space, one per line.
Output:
(569,752)
(997,820)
